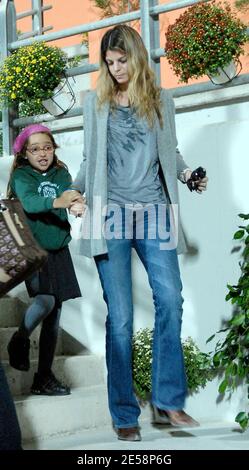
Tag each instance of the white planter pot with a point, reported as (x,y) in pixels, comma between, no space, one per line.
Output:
(62,100)
(225,74)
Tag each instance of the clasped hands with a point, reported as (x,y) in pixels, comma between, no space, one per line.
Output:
(71,200)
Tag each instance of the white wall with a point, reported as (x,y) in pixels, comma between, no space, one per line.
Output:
(215,137)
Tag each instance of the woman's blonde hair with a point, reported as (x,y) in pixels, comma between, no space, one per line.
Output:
(143,93)
(20,161)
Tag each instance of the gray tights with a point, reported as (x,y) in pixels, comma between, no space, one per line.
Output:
(44,309)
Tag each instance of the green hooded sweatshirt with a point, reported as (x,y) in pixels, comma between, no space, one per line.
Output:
(37,191)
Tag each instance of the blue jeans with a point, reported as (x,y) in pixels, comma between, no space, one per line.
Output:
(168,375)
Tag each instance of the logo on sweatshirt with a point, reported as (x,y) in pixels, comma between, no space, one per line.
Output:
(48,189)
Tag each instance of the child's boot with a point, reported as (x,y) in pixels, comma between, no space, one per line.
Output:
(18,349)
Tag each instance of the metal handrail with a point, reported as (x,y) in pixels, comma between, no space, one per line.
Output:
(32,34)
(32,12)
(105,23)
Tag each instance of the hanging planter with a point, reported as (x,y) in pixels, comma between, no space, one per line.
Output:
(226,73)
(63,98)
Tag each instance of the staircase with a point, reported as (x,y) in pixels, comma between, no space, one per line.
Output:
(42,417)
(81,420)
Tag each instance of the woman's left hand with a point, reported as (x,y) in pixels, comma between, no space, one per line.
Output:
(202,185)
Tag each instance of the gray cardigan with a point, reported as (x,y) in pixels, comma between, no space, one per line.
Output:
(92,175)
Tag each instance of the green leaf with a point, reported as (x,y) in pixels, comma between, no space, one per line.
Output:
(223,386)
(247,338)
(247,240)
(243,419)
(210,338)
(231,369)
(246,252)
(231,288)
(244,216)
(240,416)
(222,330)
(239,234)
(241,371)
(217,358)
(238,319)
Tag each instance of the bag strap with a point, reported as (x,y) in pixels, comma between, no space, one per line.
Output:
(2,205)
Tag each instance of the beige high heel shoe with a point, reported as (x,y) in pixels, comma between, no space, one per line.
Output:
(160,416)
(177,418)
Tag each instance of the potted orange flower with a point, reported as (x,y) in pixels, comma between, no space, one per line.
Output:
(204,39)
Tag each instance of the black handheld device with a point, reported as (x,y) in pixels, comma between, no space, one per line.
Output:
(195,177)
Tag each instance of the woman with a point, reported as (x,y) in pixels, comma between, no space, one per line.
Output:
(129,175)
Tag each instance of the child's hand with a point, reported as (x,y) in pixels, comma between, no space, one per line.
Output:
(66,199)
(78,208)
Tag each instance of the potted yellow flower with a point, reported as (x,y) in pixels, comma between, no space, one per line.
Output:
(204,40)
(29,76)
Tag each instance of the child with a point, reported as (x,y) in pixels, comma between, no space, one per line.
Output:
(38,179)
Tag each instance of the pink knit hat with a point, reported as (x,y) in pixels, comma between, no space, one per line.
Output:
(26,133)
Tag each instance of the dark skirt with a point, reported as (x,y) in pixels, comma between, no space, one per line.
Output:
(56,277)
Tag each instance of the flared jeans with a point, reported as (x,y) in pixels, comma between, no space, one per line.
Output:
(161,265)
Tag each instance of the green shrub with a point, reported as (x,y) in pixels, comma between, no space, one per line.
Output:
(231,356)
(197,364)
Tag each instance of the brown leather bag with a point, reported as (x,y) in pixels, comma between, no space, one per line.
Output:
(20,254)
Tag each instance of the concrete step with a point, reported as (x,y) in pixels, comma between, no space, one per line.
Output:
(70,345)
(42,417)
(11,311)
(209,436)
(6,334)
(77,371)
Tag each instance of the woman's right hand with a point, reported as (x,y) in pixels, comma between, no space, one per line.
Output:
(66,199)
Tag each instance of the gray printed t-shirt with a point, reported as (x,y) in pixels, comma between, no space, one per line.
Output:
(132,157)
